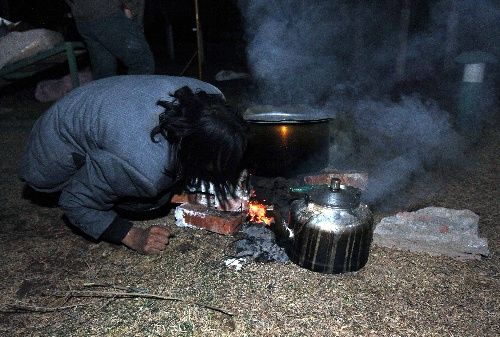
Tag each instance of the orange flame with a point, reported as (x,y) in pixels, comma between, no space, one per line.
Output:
(284,131)
(257,213)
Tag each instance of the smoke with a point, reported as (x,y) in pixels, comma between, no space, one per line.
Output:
(403,139)
(341,56)
(291,48)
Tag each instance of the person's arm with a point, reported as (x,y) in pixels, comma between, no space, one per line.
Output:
(152,240)
(117,230)
(90,195)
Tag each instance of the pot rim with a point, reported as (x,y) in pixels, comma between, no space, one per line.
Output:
(277,117)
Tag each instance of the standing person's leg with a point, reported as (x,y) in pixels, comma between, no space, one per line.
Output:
(126,40)
(102,61)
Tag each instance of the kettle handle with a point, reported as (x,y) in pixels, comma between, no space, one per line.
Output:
(335,184)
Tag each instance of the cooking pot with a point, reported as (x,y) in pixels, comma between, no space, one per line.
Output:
(330,229)
(287,143)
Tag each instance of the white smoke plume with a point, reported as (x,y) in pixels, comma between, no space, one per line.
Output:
(340,55)
(402,140)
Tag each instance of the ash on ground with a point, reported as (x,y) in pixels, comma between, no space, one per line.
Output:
(257,243)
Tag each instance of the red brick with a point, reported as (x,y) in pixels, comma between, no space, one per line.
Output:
(179,198)
(355,179)
(208,218)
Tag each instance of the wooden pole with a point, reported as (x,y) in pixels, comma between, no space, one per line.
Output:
(358,37)
(451,35)
(199,40)
(403,40)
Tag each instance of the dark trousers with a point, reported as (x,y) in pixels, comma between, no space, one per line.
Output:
(116,38)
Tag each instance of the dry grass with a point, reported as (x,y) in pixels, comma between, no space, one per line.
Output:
(396,294)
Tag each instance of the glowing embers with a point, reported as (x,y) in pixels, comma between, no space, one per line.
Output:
(283,129)
(257,212)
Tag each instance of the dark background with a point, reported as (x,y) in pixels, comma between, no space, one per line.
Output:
(224,35)
(222,28)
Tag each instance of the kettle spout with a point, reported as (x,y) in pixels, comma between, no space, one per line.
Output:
(291,233)
(279,226)
(282,231)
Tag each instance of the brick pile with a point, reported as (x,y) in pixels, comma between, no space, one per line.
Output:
(211,219)
(349,178)
(203,210)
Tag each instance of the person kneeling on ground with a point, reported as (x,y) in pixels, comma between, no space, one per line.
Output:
(133,140)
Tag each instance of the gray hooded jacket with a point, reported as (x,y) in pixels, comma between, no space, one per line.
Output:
(106,124)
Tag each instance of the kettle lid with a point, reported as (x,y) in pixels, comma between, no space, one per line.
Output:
(336,196)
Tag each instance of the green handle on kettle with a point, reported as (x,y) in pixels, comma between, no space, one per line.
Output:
(305,188)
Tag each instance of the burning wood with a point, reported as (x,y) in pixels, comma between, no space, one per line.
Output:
(202,209)
(258,213)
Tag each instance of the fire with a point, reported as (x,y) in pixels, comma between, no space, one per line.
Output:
(284,131)
(257,213)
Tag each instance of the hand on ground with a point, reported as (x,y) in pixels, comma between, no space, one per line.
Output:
(153,240)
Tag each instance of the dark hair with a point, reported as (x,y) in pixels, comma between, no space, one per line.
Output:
(207,137)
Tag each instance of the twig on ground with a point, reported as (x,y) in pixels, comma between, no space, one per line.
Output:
(106,294)
(114,286)
(140,292)
(19,308)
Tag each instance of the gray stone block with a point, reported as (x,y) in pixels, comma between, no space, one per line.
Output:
(433,230)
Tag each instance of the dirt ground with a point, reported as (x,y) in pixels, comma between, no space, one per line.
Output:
(75,287)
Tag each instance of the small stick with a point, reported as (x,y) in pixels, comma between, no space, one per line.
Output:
(142,295)
(199,41)
(114,286)
(189,63)
(105,294)
(14,308)
(403,40)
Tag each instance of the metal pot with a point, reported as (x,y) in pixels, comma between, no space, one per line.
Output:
(331,230)
(287,144)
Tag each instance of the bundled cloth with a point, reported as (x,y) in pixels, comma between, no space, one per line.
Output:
(52,90)
(16,45)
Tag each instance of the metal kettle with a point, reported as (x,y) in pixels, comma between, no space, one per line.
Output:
(330,229)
